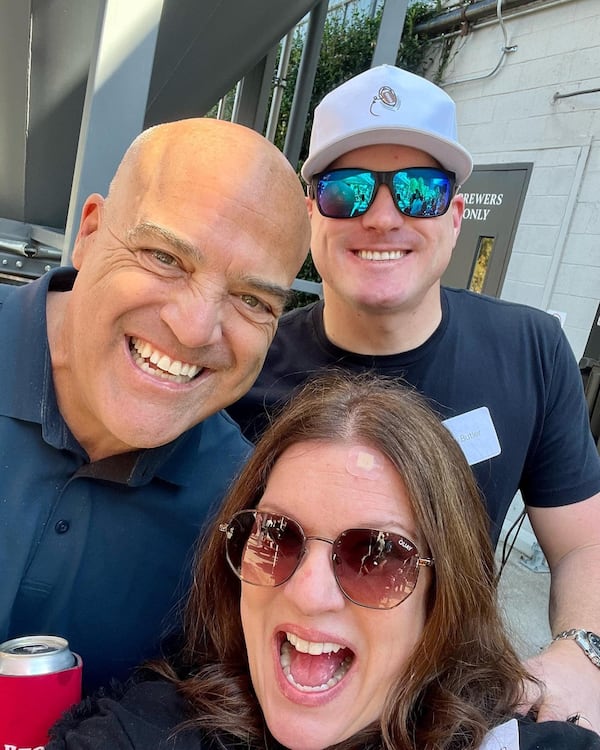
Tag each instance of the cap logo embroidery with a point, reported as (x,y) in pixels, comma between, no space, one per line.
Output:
(387,98)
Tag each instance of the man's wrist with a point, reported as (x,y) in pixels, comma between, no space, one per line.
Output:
(587,641)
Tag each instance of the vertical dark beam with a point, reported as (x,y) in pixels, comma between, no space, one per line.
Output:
(390,32)
(14,66)
(61,39)
(44,59)
(255,91)
(305,83)
(279,84)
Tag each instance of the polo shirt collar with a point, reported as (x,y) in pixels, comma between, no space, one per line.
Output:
(24,342)
(139,467)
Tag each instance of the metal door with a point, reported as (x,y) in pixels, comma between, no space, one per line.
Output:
(494,197)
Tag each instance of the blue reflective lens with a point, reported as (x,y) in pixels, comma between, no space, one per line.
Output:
(418,192)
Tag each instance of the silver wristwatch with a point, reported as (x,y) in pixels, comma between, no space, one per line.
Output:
(589,642)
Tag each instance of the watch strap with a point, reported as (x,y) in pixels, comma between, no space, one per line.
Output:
(582,639)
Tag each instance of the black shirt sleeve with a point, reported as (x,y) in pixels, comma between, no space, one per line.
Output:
(556,735)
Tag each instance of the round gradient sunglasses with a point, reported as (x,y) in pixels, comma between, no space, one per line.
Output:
(374,569)
(418,192)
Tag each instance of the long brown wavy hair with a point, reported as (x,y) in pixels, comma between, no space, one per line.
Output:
(463,677)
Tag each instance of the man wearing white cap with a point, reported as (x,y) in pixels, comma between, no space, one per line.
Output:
(384,172)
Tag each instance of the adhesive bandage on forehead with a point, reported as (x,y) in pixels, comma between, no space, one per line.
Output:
(364,462)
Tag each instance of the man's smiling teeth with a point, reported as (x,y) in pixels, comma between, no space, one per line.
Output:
(315,649)
(156,363)
(384,255)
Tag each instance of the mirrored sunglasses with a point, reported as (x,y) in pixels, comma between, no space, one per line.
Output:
(374,569)
(418,192)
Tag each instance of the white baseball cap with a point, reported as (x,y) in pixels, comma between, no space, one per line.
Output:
(386,105)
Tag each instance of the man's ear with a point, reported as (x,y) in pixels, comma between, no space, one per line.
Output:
(88,226)
(457,208)
(309,206)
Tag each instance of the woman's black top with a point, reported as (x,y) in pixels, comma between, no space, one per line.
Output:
(145,718)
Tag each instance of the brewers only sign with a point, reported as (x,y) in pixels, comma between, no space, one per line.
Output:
(479,205)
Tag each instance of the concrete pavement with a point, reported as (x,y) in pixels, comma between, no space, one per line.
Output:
(523,596)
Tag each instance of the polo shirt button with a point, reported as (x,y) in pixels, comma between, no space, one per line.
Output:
(62,526)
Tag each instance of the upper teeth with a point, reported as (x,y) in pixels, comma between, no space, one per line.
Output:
(172,369)
(311,647)
(385,255)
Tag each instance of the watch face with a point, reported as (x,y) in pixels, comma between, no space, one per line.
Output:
(594,642)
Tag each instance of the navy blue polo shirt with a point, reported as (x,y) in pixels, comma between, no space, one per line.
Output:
(96,552)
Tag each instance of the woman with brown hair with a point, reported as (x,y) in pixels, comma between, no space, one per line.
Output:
(345,596)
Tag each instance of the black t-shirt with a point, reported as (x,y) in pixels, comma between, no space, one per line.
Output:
(505,371)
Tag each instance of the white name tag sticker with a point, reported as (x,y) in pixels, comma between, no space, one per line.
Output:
(474,431)
(504,737)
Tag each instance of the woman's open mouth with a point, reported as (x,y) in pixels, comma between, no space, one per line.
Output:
(313,666)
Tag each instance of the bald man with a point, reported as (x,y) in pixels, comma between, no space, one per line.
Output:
(113,445)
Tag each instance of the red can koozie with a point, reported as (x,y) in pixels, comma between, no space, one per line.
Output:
(40,678)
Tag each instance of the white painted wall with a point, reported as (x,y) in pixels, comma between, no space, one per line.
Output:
(513,117)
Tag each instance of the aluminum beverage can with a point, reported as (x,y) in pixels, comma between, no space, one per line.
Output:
(40,678)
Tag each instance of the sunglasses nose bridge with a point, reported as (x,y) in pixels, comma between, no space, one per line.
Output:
(311,585)
(308,539)
(383,207)
(333,556)
(320,539)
